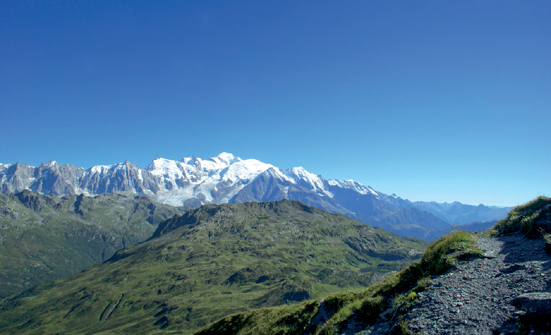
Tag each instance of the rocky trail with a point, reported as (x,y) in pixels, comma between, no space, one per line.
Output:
(507,291)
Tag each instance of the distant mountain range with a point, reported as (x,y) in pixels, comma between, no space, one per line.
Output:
(194,182)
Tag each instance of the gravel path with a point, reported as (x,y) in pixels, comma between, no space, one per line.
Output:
(475,297)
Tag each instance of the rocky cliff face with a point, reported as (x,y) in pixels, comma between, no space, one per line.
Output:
(49,178)
(56,179)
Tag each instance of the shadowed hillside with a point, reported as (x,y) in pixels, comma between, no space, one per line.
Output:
(45,237)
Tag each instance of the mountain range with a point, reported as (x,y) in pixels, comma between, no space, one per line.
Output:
(193,182)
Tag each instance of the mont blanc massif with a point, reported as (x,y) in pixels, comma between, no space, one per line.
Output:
(232,246)
(192,182)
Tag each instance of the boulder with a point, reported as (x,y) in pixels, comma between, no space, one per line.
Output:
(534,303)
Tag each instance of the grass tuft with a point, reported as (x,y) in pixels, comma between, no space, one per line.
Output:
(403,327)
(404,301)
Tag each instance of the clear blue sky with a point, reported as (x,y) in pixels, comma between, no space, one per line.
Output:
(431,100)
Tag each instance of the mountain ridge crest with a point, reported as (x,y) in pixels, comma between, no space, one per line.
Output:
(226,178)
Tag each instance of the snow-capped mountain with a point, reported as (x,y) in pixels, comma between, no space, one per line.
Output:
(193,181)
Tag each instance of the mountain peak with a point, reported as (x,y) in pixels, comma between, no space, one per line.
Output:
(298,169)
(302,173)
(223,160)
(190,160)
(353,185)
(159,161)
(316,182)
(47,165)
(227,158)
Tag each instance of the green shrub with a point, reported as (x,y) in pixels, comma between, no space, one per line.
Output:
(370,309)
(536,205)
(404,301)
(527,223)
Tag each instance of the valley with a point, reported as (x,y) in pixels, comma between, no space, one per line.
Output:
(211,262)
(45,237)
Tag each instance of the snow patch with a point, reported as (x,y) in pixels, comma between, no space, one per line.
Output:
(100,169)
(352,185)
(4,166)
(316,183)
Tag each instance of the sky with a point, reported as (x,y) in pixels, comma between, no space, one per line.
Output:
(431,100)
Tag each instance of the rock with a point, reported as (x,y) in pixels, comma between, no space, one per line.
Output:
(489,254)
(534,303)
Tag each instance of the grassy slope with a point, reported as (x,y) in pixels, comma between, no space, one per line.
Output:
(45,237)
(209,263)
(532,219)
(397,292)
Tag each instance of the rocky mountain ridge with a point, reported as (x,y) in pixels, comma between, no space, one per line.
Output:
(194,182)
